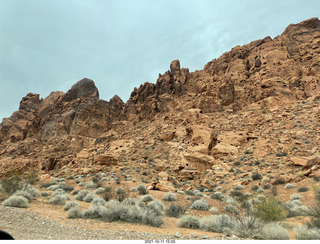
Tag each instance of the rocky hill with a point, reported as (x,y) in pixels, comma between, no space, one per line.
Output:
(255,108)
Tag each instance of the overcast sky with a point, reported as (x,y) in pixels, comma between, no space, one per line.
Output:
(48,45)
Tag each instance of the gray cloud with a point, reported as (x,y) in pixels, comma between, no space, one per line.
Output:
(49,45)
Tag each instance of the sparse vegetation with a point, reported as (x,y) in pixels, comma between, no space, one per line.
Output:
(169,197)
(174,210)
(142,190)
(189,221)
(200,204)
(16,201)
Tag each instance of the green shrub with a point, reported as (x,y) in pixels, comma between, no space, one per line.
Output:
(174,210)
(108,193)
(170,197)
(90,185)
(218,223)
(305,233)
(289,186)
(142,190)
(74,213)
(256,176)
(70,205)
(273,231)
(95,212)
(82,194)
(303,189)
(89,197)
(11,184)
(189,221)
(58,200)
(16,201)
(270,210)
(98,201)
(147,198)
(200,204)
(315,217)
(121,194)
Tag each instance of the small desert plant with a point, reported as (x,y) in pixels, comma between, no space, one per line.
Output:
(142,190)
(74,213)
(82,194)
(174,210)
(24,194)
(189,221)
(89,197)
(218,223)
(303,189)
(217,196)
(133,189)
(270,210)
(11,184)
(58,199)
(100,190)
(213,210)
(295,196)
(200,204)
(256,176)
(147,198)
(16,201)
(231,209)
(95,212)
(108,193)
(45,194)
(98,201)
(32,177)
(289,186)
(70,205)
(273,231)
(90,184)
(238,187)
(121,194)
(169,197)
(306,233)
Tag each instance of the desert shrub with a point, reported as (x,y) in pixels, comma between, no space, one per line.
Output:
(189,221)
(256,176)
(58,200)
(231,209)
(217,196)
(266,186)
(147,198)
(273,231)
(98,201)
(45,194)
(82,194)
(46,185)
(279,181)
(289,186)
(121,194)
(53,187)
(213,210)
(270,210)
(303,189)
(133,189)
(156,204)
(238,188)
(11,184)
(129,201)
(305,233)
(16,201)
(218,223)
(90,185)
(169,197)
(69,205)
(142,190)
(68,188)
(32,177)
(100,190)
(197,193)
(108,193)
(95,212)
(24,194)
(118,211)
(174,210)
(74,213)
(315,217)
(295,196)
(89,197)
(254,188)
(295,209)
(200,204)
(189,192)
(260,190)
(33,192)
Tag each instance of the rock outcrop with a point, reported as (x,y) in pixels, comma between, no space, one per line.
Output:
(196,119)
